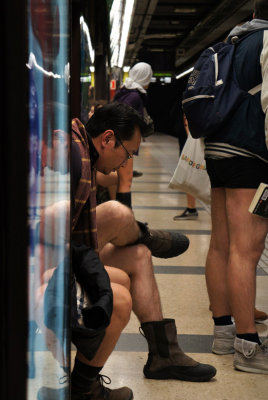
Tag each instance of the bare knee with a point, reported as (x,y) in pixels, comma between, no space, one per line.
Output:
(119,276)
(118,213)
(122,303)
(250,251)
(124,279)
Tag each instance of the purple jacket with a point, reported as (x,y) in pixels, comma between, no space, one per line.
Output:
(132,97)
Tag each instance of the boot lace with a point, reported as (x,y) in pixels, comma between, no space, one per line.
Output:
(104,390)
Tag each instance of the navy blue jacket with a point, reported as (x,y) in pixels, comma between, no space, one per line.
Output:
(246,133)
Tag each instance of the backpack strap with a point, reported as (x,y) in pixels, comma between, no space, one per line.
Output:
(235,40)
(255,90)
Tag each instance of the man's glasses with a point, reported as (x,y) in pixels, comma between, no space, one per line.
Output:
(129,156)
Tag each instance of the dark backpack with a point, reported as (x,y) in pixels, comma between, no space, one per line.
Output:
(212,93)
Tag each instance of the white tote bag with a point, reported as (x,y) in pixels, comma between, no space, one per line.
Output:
(191,174)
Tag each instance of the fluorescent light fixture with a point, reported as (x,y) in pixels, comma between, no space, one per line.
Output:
(185,10)
(86,31)
(167,79)
(85,79)
(184,73)
(126,68)
(157,50)
(120,19)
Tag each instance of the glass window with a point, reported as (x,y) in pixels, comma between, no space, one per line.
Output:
(49,198)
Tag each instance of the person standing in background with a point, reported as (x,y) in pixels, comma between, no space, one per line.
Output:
(133,93)
(190,212)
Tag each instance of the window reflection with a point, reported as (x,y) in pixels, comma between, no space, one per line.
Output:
(87,70)
(49,193)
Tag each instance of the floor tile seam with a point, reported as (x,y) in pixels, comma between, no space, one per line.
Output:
(129,342)
(191,232)
(145,173)
(191,270)
(135,342)
(164,208)
(152,182)
(190,343)
(133,190)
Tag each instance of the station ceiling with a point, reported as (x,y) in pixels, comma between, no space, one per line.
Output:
(170,34)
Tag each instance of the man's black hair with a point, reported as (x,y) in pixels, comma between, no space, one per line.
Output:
(261,9)
(120,118)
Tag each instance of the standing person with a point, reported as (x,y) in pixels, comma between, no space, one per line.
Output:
(134,94)
(237,162)
(190,212)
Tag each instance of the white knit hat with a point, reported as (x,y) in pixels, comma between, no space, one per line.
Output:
(139,77)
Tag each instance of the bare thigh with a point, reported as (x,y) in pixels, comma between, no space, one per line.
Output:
(247,232)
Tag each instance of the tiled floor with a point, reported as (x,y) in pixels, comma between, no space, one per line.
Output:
(182,287)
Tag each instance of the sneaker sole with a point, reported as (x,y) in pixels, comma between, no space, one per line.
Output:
(184,218)
(249,369)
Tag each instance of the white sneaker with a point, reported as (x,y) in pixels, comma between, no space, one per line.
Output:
(224,337)
(251,357)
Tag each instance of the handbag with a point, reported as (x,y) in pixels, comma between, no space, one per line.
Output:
(191,174)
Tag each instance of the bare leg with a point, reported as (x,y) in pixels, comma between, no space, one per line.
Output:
(120,317)
(136,261)
(109,181)
(247,237)
(217,258)
(116,275)
(116,224)
(125,175)
(190,201)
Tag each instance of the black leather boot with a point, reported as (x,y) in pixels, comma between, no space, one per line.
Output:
(166,360)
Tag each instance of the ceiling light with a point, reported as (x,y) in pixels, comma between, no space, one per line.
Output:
(185,10)
(120,18)
(184,73)
(86,32)
(157,49)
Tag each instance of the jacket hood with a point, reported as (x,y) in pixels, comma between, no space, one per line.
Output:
(248,27)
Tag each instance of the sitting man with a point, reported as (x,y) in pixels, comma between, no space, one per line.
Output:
(111,137)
